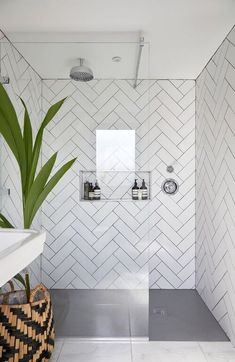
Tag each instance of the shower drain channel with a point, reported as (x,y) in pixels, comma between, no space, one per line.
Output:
(159,312)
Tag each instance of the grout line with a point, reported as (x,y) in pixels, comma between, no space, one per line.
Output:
(200,347)
(129,320)
(58,357)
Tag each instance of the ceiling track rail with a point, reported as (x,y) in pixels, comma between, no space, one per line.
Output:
(141,45)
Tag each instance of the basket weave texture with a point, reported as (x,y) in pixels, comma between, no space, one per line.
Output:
(27,330)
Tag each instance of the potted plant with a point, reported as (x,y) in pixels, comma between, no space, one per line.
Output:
(32,326)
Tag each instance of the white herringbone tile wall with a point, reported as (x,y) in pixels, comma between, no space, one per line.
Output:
(215,185)
(24,83)
(105,244)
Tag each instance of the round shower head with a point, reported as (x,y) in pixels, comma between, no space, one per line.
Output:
(81,73)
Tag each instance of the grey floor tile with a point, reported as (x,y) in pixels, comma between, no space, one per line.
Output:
(181,315)
(139,321)
(174,315)
(100,313)
(93,321)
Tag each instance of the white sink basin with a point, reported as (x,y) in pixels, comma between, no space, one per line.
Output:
(18,248)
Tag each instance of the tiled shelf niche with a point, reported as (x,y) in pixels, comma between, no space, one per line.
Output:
(115,185)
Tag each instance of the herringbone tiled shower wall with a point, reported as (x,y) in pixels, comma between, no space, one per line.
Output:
(105,244)
(215,185)
(24,82)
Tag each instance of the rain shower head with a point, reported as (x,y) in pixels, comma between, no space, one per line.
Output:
(81,73)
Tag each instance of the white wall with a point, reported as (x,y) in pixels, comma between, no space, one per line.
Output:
(24,83)
(215,185)
(104,245)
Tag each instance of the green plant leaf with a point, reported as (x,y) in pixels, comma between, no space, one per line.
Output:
(34,189)
(38,186)
(27,287)
(38,142)
(49,186)
(27,137)
(4,223)
(8,114)
(20,279)
(7,135)
(11,285)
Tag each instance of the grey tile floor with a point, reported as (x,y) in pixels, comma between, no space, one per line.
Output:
(170,315)
(100,313)
(181,315)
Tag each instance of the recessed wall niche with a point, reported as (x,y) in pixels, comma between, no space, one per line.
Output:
(115,166)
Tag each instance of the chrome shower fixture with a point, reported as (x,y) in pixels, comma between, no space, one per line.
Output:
(141,46)
(170,169)
(81,73)
(116,59)
(4,80)
(170,186)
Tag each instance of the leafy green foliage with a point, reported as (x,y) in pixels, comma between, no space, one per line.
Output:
(35,187)
(42,191)
(10,129)
(38,141)
(4,223)
(20,279)
(27,137)
(24,281)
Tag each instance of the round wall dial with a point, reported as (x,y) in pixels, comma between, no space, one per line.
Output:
(170,186)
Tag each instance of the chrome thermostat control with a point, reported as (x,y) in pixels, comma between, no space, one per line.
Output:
(170,186)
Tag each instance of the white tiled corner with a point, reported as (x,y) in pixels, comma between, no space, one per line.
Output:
(215,191)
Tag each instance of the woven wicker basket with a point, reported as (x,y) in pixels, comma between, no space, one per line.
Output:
(27,330)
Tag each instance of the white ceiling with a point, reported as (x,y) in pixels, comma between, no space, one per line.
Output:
(52,56)
(183,34)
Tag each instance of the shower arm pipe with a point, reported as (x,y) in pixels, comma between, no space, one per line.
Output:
(141,45)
